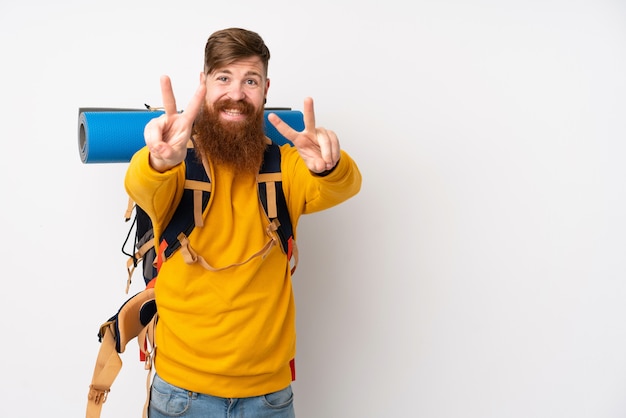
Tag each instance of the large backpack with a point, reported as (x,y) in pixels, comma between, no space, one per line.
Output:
(188,215)
(137,317)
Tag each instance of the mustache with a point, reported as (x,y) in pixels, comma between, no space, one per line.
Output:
(238,105)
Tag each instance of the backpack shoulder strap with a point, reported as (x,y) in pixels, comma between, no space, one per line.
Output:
(195,199)
(274,202)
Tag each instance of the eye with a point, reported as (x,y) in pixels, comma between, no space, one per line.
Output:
(251,82)
(222,78)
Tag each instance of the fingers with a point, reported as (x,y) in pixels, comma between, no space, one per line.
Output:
(286,130)
(308,115)
(167,95)
(169,101)
(319,147)
(327,140)
(329,148)
(282,127)
(167,135)
(195,104)
(153,131)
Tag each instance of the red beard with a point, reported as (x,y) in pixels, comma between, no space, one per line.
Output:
(239,145)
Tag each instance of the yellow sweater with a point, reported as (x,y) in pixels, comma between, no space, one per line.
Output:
(231,333)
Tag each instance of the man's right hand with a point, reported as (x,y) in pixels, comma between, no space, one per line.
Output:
(167,135)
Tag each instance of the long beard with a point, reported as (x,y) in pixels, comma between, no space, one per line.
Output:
(239,145)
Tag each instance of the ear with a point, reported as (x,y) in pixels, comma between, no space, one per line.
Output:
(202,77)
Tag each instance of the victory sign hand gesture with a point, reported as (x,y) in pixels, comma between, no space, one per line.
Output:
(167,135)
(318,147)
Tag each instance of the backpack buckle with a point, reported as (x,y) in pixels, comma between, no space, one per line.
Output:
(96,395)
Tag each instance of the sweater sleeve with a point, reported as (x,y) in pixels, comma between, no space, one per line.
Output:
(308,193)
(156,193)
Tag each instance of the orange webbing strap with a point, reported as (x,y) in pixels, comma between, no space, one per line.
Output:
(293,255)
(129,209)
(191,257)
(270,180)
(107,367)
(198,187)
(131,264)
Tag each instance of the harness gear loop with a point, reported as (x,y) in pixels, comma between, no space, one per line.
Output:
(192,257)
(98,395)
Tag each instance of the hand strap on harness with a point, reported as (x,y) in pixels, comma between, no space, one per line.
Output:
(107,367)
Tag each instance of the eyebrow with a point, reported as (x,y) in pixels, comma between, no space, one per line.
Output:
(247,74)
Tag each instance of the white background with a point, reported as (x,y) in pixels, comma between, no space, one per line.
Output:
(480,273)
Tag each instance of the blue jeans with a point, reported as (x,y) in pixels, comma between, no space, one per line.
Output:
(170,401)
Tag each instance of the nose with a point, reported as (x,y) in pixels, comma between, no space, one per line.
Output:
(236,92)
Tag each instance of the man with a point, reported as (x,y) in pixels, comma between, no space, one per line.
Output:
(225,338)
